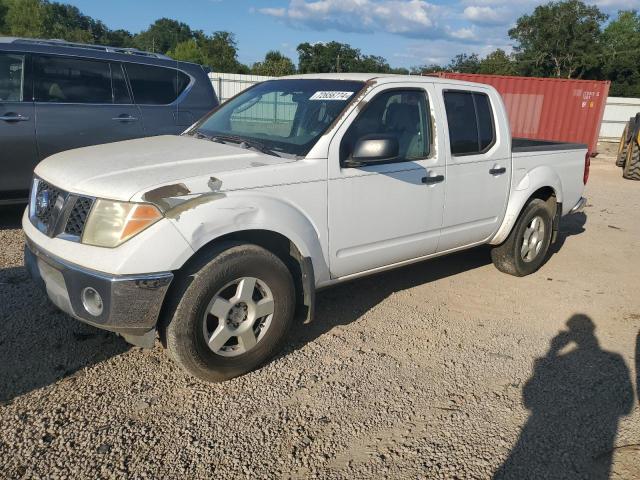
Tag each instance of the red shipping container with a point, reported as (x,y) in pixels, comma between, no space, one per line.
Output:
(558,109)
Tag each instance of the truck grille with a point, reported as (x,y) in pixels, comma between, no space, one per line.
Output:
(58,213)
(78,216)
(48,196)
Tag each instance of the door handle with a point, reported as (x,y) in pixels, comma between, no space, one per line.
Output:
(14,118)
(497,170)
(432,180)
(125,118)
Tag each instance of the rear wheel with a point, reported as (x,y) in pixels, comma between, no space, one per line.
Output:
(526,247)
(623,149)
(232,313)
(632,165)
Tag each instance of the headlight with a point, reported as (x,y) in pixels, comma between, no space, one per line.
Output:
(113,223)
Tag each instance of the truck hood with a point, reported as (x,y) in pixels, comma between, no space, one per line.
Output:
(120,170)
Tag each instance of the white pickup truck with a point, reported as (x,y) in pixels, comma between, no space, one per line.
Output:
(218,239)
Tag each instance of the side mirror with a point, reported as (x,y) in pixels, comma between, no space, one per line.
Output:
(374,149)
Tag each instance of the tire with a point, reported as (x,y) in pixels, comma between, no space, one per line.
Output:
(248,277)
(509,257)
(631,169)
(623,149)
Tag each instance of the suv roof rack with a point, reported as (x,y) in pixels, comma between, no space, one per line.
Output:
(101,48)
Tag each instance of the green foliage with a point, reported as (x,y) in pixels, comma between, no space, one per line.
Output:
(218,51)
(337,57)
(275,64)
(163,35)
(559,39)
(498,63)
(621,39)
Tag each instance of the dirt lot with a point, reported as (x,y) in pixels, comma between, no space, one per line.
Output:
(445,369)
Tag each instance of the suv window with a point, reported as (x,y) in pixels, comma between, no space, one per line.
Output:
(401,113)
(156,85)
(71,80)
(470,121)
(11,77)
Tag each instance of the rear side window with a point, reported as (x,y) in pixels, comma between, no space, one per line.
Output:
(470,120)
(11,77)
(71,80)
(156,85)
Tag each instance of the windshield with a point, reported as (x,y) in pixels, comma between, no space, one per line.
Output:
(282,116)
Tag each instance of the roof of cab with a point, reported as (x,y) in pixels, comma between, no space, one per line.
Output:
(381,78)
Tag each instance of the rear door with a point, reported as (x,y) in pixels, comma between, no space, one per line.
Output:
(81,102)
(17,127)
(478,166)
(158,91)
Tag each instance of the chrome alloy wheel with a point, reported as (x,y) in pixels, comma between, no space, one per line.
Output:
(533,239)
(238,316)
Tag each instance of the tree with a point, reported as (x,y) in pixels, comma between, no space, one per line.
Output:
(560,39)
(24,18)
(497,63)
(621,41)
(188,51)
(463,63)
(163,35)
(337,57)
(218,51)
(275,64)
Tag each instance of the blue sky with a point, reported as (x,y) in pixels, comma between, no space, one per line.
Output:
(405,32)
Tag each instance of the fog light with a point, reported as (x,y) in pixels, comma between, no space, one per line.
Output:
(92,301)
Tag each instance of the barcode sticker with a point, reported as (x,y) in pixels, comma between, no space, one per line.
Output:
(331,96)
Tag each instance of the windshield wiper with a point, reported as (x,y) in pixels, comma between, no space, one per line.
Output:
(243,142)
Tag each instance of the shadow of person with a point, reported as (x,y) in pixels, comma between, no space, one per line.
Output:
(576,396)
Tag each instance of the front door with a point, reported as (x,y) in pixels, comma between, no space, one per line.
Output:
(17,128)
(81,102)
(381,214)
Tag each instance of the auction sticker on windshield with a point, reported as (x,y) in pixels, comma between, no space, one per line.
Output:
(331,96)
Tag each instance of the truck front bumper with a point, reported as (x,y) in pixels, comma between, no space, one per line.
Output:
(125,304)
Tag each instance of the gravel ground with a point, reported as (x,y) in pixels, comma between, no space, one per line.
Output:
(445,369)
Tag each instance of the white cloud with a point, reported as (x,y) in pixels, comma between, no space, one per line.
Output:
(412,18)
(487,15)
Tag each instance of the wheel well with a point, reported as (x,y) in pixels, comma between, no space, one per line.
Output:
(548,195)
(284,249)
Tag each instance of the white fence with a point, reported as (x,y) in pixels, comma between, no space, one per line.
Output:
(616,114)
(227,85)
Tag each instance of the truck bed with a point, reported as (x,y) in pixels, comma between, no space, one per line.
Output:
(531,145)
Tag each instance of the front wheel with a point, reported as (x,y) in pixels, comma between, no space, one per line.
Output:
(233,312)
(526,247)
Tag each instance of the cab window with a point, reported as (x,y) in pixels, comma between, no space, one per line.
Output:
(400,113)
(470,121)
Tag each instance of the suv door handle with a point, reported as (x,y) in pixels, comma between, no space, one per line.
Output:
(125,118)
(14,118)
(497,170)
(432,180)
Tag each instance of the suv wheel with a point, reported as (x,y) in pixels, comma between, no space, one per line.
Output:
(232,313)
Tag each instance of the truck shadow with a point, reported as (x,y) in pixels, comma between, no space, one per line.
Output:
(576,396)
(344,304)
(40,345)
(11,217)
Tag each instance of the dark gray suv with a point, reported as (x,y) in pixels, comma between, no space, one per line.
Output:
(56,96)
